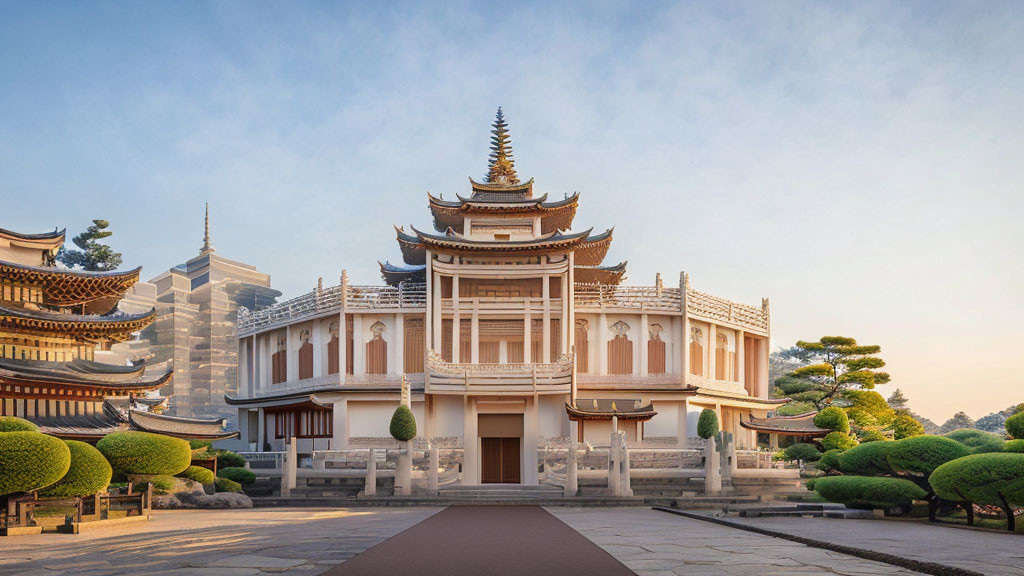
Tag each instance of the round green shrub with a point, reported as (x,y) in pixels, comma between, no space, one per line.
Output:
(979,441)
(403,424)
(801,451)
(870,459)
(869,492)
(906,426)
(229,459)
(707,423)
(921,455)
(838,441)
(225,485)
(145,453)
(198,474)
(89,473)
(1015,426)
(240,475)
(30,461)
(162,483)
(810,483)
(829,461)
(1014,446)
(15,424)
(981,479)
(833,418)
(865,436)
(200,444)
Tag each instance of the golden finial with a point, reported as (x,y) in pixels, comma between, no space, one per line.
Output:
(501,169)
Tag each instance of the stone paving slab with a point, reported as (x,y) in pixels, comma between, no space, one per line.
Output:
(653,543)
(982,551)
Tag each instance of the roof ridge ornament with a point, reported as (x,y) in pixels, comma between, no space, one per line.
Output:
(207,247)
(501,168)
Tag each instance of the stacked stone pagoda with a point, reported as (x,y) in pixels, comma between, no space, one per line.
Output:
(52,321)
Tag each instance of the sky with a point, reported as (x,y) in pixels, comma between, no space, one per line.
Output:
(861,164)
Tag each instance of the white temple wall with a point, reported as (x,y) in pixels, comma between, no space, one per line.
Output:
(552,419)
(448,416)
(664,423)
(369,419)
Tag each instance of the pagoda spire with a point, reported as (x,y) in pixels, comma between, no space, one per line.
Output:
(207,247)
(501,169)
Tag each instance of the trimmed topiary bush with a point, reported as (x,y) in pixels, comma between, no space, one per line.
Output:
(403,424)
(1014,446)
(833,418)
(869,492)
(145,453)
(869,459)
(30,461)
(906,426)
(865,436)
(994,479)
(229,459)
(162,483)
(838,441)
(979,441)
(801,451)
(225,485)
(921,455)
(200,444)
(829,461)
(240,475)
(1015,426)
(707,423)
(198,474)
(15,424)
(88,474)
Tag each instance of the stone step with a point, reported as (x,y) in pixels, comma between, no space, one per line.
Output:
(405,501)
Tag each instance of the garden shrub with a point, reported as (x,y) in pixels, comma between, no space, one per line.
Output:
(229,459)
(240,475)
(198,474)
(838,441)
(868,408)
(1014,446)
(145,453)
(869,492)
(1015,426)
(979,441)
(865,436)
(30,461)
(810,483)
(921,455)
(403,424)
(226,485)
(993,479)
(88,474)
(829,461)
(200,444)
(802,451)
(15,424)
(707,423)
(162,483)
(906,426)
(833,418)
(869,459)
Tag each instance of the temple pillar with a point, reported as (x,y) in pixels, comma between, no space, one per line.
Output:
(339,424)
(571,480)
(566,327)
(397,352)
(712,352)
(358,346)
(474,333)
(317,339)
(435,312)
(291,364)
(682,426)
(602,344)
(342,347)
(456,322)
(530,433)
(261,429)
(545,290)
(642,344)
(470,444)
(527,335)
(741,375)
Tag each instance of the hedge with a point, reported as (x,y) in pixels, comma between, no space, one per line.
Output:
(801,451)
(707,423)
(89,473)
(403,424)
(870,459)
(198,474)
(869,492)
(994,479)
(145,453)
(30,461)
(1014,446)
(829,461)
(240,475)
(979,441)
(838,441)
(229,459)
(833,418)
(923,454)
(226,485)
(15,424)
(1015,426)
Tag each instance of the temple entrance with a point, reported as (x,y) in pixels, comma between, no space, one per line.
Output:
(500,461)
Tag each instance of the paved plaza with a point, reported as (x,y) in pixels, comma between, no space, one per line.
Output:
(648,542)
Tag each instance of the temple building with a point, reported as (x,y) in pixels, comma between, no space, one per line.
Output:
(513,332)
(53,323)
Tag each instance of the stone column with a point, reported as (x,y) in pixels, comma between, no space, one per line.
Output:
(712,469)
(316,338)
(432,472)
(290,466)
(398,366)
(642,344)
(358,346)
(470,442)
(741,375)
(682,426)
(474,333)
(527,334)
(291,355)
(567,327)
(626,486)
(339,424)
(571,481)
(403,474)
(370,485)
(342,347)
(261,425)
(545,290)
(436,314)
(712,350)
(613,459)
(602,344)
(456,322)
(530,429)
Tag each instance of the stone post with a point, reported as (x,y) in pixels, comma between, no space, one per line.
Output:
(432,472)
(289,472)
(571,482)
(712,469)
(613,463)
(370,487)
(627,487)
(403,480)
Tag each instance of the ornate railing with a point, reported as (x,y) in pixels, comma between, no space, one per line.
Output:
(636,297)
(560,367)
(722,310)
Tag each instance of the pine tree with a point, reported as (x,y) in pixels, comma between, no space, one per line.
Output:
(93,256)
(839,364)
(897,400)
(501,168)
(958,421)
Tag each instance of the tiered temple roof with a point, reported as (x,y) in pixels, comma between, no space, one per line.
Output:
(86,328)
(605,409)
(798,425)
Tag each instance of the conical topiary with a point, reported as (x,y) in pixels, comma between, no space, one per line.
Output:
(403,424)
(707,423)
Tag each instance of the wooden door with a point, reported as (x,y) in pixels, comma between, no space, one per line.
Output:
(499,461)
(510,461)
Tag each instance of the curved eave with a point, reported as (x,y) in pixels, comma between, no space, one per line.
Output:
(65,288)
(283,399)
(393,275)
(49,240)
(187,428)
(110,328)
(523,187)
(413,251)
(592,251)
(642,415)
(767,426)
(503,205)
(600,274)
(703,391)
(66,380)
(458,243)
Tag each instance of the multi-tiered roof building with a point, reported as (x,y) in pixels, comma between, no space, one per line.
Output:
(52,321)
(512,332)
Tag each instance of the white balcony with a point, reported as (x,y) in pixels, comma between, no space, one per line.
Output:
(539,378)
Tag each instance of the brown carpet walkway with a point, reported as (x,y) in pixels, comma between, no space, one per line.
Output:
(485,540)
